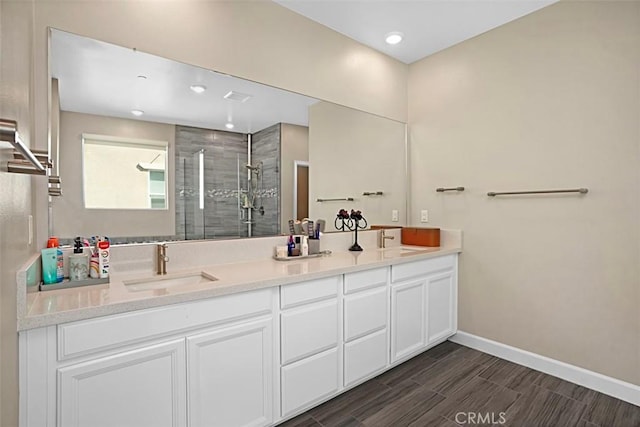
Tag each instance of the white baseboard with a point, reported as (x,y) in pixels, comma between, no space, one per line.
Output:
(593,380)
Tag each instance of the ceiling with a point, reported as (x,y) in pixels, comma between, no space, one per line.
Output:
(101,78)
(428,25)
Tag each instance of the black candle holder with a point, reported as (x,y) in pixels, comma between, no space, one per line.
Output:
(351,221)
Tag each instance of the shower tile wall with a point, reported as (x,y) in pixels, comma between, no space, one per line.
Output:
(220,217)
(265,148)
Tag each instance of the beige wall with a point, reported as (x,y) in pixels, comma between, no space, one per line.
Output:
(294,145)
(351,152)
(70,218)
(549,101)
(16,25)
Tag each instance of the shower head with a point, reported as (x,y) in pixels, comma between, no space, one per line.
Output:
(255,168)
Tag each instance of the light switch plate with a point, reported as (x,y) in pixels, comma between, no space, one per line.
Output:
(394,215)
(424,215)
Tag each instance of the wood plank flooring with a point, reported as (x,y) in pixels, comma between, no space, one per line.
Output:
(435,387)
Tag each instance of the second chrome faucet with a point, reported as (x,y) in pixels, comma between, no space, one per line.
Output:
(161,258)
(382,238)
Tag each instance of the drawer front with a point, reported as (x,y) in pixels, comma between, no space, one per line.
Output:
(354,282)
(313,290)
(308,330)
(364,357)
(365,312)
(421,268)
(309,381)
(103,333)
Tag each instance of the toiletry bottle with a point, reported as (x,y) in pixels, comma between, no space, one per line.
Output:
(94,266)
(305,246)
(290,246)
(49,265)
(78,262)
(103,258)
(296,246)
(54,243)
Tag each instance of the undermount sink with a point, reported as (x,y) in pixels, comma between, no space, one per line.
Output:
(169,281)
(404,249)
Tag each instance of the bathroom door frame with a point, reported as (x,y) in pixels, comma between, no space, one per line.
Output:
(297,163)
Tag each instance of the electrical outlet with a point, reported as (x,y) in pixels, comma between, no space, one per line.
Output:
(424,215)
(394,215)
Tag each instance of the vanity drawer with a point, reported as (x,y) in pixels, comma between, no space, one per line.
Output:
(313,290)
(103,333)
(421,268)
(364,313)
(354,282)
(308,330)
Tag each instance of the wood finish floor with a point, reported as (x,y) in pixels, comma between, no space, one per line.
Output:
(431,390)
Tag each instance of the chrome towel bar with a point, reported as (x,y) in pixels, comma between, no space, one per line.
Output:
(373,193)
(32,165)
(343,199)
(442,190)
(509,193)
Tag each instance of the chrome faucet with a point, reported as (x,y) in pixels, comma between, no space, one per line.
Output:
(382,238)
(161,258)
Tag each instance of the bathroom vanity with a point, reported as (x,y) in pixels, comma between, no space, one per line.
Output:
(257,354)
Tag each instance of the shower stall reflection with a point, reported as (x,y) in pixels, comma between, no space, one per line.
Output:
(227,184)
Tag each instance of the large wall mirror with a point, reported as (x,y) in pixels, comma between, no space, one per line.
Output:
(153,149)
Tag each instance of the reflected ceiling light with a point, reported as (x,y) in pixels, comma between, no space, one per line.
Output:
(229,125)
(394,37)
(137,112)
(142,77)
(237,96)
(198,88)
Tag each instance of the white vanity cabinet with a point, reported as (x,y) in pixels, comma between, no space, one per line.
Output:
(423,305)
(250,359)
(202,363)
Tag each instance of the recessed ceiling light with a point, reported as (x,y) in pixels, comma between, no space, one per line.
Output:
(198,88)
(394,37)
(229,125)
(137,112)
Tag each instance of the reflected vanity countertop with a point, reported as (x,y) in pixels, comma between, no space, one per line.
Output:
(66,305)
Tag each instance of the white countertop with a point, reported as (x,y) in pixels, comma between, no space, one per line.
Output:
(66,305)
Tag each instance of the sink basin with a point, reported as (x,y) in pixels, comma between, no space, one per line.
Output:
(404,249)
(170,281)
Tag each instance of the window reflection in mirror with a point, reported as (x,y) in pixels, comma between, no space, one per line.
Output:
(122,173)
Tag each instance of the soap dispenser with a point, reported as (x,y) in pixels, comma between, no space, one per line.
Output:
(78,262)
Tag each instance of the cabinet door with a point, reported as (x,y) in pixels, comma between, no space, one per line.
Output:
(309,380)
(230,372)
(365,356)
(440,309)
(138,388)
(408,318)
